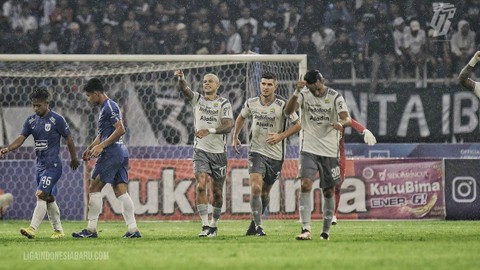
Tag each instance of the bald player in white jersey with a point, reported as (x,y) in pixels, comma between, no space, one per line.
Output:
(268,132)
(464,76)
(213,121)
(323,114)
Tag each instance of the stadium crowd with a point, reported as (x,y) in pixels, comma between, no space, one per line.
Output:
(336,33)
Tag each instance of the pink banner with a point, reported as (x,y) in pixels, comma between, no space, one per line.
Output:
(402,189)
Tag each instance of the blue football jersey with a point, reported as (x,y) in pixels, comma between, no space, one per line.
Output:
(109,115)
(46,132)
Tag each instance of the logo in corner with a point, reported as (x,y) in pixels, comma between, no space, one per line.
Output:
(440,22)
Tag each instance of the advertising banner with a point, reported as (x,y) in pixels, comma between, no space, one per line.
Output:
(373,189)
(401,189)
(462,188)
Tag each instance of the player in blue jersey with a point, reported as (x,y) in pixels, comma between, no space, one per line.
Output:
(46,127)
(112,163)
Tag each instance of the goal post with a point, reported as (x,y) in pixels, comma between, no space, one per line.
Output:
(159,122)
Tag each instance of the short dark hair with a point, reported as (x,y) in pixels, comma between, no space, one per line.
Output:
(40,93)
(269,75)
(312,76)
(93,85)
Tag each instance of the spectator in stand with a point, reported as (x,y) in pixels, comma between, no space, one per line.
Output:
(381,51)
(269,19)
(462,44)
(415,44)
(248,38)
(360,39)
(234,40)
(224,18)
(341,52)
(338,15)
(440,61)
(399,35)
(306,46)
(282,44)
(106,42)
(311,20)
(74,42)
(323,39)
(368,13)
(111,16)
(27,21)
(130,39)
(218,44)
(182,44)
(202,39)
(84,16)
(247,18)
(265,41)
(47,45)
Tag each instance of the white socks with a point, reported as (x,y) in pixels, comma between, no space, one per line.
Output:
(203,212)
(53,212)
(94,210)
(128,212)
(38,214)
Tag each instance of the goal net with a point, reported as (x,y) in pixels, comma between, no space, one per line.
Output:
(159,126)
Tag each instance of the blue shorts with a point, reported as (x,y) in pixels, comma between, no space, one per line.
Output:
(112,166)
(47,179)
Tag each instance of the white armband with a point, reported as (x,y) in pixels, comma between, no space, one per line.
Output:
(212,130)
(476,90)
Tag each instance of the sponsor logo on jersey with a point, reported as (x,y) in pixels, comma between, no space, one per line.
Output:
(207,110)
(53,120)
(41,145)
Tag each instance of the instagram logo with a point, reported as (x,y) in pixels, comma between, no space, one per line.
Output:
(464,189)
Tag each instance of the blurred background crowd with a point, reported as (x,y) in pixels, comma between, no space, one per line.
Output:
(393,37)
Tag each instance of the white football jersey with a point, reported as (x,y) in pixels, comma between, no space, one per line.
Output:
(209,114)
(265,120)
(317,136)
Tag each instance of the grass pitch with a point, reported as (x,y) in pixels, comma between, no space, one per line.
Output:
(175,245)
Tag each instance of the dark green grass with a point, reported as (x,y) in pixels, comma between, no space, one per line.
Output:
(175,245)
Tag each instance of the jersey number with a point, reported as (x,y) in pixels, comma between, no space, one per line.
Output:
(336,172)
(46,181)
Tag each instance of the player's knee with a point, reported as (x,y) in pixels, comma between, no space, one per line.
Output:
(201,188)
(256,189)
(328,192)
(306,185)
(42,195)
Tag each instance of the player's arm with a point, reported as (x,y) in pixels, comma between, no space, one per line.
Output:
(74,163)
(464,76)
(183,85)
(368,136)
(344,121)
(86,154)
(114,137)
(275,138)
(14,145)
(226,125)
(292,103)
(236,131)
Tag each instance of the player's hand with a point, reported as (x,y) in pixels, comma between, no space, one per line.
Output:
(202,133)
(274,138)
(236,144)
(300,85)
(3,151)
(96,151)
(74,163)
(337,126)
(368,137)
(86,155)
(179,74)
(477,56)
